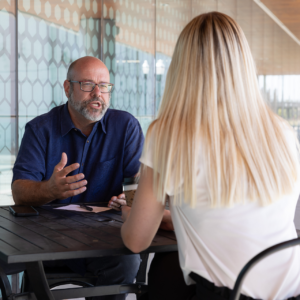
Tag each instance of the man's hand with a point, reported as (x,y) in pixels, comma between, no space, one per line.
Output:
(166,222)
(117,202)
(60,186)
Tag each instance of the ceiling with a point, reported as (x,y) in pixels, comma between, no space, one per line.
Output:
(288,12)
(275,45)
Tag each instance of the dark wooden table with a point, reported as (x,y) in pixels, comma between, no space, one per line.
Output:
(60,234)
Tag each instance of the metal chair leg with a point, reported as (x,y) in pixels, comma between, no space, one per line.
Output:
(15,283)
(142,293)
(25,285)
(4,285)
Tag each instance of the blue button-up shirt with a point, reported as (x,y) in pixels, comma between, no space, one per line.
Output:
(108,155)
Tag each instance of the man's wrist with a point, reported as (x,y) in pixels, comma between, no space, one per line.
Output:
(30,192)
(48,191)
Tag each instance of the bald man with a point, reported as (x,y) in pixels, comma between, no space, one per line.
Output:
(80,152)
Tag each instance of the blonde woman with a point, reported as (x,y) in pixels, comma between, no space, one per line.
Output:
(228,165)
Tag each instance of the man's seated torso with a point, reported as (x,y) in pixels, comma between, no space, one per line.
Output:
(110,153)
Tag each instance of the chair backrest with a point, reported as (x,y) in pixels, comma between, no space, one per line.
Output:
(235,295)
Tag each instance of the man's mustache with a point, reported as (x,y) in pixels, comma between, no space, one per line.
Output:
(86,102)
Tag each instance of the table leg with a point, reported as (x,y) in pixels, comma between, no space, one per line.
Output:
(38,281)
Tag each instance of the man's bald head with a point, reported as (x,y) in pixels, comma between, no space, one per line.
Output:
(84,62)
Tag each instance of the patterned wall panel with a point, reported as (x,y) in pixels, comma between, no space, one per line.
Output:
(128,44)
(7,94)
(49,40)
(171,17)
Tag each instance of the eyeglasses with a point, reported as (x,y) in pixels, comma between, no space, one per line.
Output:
(88,86)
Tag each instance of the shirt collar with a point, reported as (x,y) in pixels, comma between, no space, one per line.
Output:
(67,124)
(104,120)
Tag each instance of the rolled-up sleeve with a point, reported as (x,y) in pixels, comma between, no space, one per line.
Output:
(30,162)
(133,148)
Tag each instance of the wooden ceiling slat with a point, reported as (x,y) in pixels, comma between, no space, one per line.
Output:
(288,12)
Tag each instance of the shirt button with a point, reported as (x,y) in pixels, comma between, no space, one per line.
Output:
(87,141)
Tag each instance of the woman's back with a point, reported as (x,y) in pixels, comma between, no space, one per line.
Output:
(216,243)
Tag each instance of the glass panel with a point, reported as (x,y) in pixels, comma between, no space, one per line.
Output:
(51,35)
(7,98)
(128,52)
(171,17)
(136,42)
(276,53)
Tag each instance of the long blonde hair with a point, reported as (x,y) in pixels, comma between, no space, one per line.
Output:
(212,98)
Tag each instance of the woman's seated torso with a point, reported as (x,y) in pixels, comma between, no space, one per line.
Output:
(216,243)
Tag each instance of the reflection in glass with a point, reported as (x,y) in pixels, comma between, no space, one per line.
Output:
(146,69)
(136,40)
(128,41)
(8,138)
(160,71)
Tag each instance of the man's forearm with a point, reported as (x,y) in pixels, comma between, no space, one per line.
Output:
(29,192)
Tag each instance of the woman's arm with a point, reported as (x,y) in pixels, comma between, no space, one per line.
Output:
(145,216)
(166,222)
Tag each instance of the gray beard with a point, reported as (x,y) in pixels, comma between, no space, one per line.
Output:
(82,108)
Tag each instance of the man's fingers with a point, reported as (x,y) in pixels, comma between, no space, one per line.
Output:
(72,193)
(71,179)
(77,185)
(69,169)
(121,196)
(62,163)
(112,200)
(116,203)
(72,186)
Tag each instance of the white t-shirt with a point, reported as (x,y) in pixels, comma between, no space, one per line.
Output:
(217,243)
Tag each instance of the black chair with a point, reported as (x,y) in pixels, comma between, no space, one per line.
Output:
(235,295)
(7,289)
(58,276)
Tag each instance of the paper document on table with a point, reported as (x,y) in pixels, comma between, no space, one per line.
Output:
(74,207)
